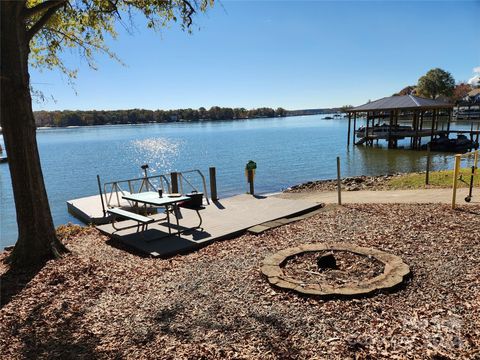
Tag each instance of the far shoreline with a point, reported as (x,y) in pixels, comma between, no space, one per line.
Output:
(52,127)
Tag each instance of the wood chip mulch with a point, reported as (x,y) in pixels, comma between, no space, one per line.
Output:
(104,302)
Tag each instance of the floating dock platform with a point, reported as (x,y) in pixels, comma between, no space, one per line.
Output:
(222,219)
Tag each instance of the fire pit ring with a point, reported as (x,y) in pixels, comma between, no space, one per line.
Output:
(394,273)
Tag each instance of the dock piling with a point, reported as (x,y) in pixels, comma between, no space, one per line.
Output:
(250,181)
(213,183)
(349,126)
(427,174)
(174,180)
(456,171)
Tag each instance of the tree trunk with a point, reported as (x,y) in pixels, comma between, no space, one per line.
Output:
(37,241)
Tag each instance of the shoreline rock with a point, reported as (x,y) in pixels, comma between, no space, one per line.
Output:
(354,183)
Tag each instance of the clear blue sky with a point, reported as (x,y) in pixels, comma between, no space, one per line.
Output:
(292,54)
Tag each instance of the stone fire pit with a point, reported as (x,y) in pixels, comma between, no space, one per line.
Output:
(334,270)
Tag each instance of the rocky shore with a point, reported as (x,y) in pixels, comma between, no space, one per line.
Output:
(355,183)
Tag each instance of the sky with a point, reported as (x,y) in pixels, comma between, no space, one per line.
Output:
(290,54)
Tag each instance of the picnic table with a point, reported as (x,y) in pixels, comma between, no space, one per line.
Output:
(168,201)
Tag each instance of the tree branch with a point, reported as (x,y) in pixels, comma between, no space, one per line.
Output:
(45,17)
(188,12)
(29,12)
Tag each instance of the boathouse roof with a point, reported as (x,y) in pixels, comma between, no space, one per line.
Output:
(403,102)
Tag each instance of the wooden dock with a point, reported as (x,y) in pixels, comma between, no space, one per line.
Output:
(89,209)
(222,219)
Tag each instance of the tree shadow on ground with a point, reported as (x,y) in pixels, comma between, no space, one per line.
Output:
(62,341)
(13,281)
(50,329)
(271,329)
(468,210)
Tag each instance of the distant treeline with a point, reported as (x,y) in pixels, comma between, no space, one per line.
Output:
(139,116)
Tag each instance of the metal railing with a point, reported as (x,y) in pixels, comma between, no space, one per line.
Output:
(182,179)
(115,190)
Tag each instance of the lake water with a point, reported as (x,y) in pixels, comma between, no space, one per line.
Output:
(288,151)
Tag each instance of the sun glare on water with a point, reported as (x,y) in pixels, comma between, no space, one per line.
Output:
(159,153)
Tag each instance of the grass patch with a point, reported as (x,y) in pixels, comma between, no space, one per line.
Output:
(441,179)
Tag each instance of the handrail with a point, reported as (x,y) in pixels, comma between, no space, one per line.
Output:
(204,183)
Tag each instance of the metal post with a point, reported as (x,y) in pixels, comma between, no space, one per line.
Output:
(339,182)
(250,181)
(456,170)
(427,175)
(101,195)
(174,181)
(145,179)
(213,183)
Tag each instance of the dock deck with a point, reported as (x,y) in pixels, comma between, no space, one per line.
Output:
(222,219)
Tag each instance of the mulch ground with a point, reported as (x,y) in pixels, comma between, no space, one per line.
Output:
(104,302)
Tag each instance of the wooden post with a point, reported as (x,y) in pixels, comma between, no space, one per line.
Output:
(349,125)
(339,182)
(366,130)
(475,160)
(354,126)
(456,171)
(417,123)
(174,180)
(250,181)
(421,130)
(390,120)
(434,117)
(213,183)
(449,120)
(427,174)
(373,127)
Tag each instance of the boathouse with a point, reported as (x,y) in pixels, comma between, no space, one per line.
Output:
(420,118)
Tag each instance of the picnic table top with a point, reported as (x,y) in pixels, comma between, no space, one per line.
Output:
(152,198)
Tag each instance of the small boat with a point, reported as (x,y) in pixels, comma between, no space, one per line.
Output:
(444,143)
(3,159)
(328,118)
